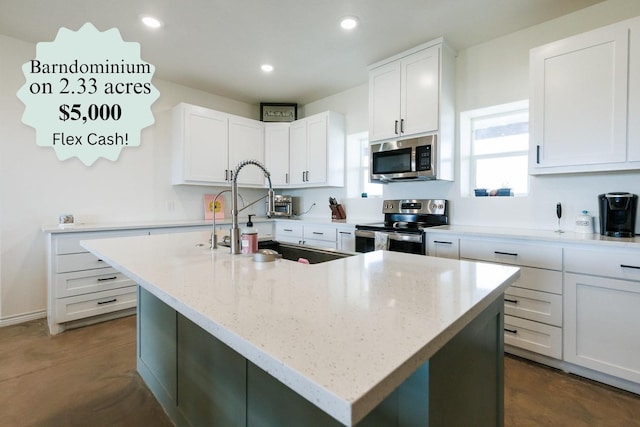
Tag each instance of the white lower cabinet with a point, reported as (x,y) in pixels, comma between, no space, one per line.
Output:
(443,247)
(602,311)
(533,304)
(309,234)
(346,238)
(533,336)
(82,287)
(576,306)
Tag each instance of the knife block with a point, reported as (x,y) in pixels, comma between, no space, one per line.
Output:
(337,212)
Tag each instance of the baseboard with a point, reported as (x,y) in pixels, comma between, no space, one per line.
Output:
(22,318)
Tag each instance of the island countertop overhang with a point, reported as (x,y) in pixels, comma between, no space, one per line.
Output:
(343,334)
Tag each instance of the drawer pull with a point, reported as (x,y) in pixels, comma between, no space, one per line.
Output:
(630,266)
(346,232)
(108,301)
(513,331)
(514,301)
(287,229)
(505,253)
(319,233)
(103,279)
(443,242)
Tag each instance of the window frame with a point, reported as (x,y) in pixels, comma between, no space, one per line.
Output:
(468,160)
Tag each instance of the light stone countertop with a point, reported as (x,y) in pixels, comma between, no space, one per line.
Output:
(343,334)
(567,237)
(133,225)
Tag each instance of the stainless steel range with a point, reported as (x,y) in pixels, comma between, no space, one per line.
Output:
(403,229)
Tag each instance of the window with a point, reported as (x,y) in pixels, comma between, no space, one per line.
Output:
(358,167)
(494,146)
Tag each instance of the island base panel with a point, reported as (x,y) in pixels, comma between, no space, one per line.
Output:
(201,381)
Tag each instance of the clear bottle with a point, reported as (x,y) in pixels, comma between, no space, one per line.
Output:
(249,238)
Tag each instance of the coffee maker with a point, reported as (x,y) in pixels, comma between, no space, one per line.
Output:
(618,214)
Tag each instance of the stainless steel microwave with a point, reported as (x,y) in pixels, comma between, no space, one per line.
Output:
(405,160)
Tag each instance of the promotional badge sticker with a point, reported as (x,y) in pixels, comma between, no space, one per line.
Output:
(88,94)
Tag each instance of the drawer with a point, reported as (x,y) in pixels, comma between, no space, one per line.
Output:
(84,282)
(533,305)
(611,263)
(70,243)
(78,262)
(512,252)
(538,279)
(533,336)
(320,232)
(82,306)
(288,229)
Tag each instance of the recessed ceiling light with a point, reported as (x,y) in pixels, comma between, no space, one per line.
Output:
(349,23)
(267,68)
(151,22)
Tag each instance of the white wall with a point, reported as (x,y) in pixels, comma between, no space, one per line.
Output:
(492,73)
(36,187)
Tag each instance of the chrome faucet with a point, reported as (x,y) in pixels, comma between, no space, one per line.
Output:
(236,245)
(214,236)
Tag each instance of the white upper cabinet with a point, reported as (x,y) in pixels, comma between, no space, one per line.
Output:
(407,91)
(200,148)
(317,151)
(633,137)
(246,142)
(208,144)
(582,100)
(276,138)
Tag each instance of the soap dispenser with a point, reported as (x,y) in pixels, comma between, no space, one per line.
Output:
(249,238)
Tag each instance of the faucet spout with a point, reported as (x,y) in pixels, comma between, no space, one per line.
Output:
(236,245)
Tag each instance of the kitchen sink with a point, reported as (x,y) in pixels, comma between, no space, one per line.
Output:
(293,252)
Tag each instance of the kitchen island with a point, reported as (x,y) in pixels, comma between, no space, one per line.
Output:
(382,338)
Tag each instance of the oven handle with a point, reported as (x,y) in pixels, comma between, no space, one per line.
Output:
(413,238)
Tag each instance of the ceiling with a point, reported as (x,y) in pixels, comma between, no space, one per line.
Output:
(218,45)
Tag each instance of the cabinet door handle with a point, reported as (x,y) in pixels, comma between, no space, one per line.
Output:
(630,266)
(103,279)
(307,176)
(226,174)
(443,242)
(395,128)
(505,253)
(401,125)
(286,178)
(108,301)
(99,260)
(514,301)
(513,331)
(537,154)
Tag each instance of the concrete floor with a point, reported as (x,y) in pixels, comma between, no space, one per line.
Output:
(87,377)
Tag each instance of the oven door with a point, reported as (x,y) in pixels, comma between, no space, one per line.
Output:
(411,243)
